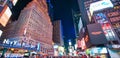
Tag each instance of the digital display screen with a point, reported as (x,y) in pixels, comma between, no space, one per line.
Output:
(99,50)
(100,5)
(26,54)
(5,16)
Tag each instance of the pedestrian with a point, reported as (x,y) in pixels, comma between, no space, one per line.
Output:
(82,56)
(97,56)
(85,56)
(91,57)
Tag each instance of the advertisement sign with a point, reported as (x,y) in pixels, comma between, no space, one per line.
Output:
(51,52)
(83,45)
(80,24)
(100,5)
(96,34)
(14,2)
(1,32)
(11,43)
(5,16)
(78,44)
(114,53)
(99,50)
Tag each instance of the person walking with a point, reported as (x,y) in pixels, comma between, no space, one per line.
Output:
(97,56)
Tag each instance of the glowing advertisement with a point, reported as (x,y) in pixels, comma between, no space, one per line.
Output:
(114,53)
(83,45)
(99,50)
(5,16)
(101,18)
(78,44)
(100,5)
(96,34)
(1,32)
(14,2)
(80,24)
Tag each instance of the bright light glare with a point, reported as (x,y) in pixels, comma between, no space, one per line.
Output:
(100,5)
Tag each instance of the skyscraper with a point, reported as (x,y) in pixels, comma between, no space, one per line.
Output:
(106,13)
(95,14)
(33,29)
(57,32)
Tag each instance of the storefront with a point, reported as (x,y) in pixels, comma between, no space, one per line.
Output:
(97,51)
(114,51)
(58,50)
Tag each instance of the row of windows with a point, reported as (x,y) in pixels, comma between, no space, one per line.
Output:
(118,31)
(39,28)
(115,19)
(39,17)
(111,14)
(39,36)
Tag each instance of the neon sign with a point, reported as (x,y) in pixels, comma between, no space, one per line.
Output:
(100,5)
(96,33)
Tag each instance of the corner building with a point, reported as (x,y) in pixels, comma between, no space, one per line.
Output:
(32,28)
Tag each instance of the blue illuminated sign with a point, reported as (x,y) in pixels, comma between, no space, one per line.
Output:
(100,5)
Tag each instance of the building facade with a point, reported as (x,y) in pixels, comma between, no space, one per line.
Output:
(104,17)
(33,29)
(57,32)
(106,13)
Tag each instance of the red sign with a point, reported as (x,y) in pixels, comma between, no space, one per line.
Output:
(50,52)
(79,44)
(83,45)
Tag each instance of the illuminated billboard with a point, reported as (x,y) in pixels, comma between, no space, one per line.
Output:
(96,34)
(5,16)
(80,24)
(1,32)
(100,5)
(83,45)
(98,50)
(14,2)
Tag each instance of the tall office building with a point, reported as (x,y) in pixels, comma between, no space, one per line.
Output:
(9,11)
(57,32)
(83,11)
(32,30)
(106,13)
(106,16)
(96,14)
(58,38)
(114,16)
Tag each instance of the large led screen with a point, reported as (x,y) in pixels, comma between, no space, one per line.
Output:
(96,34)
(5,16)
(100,5)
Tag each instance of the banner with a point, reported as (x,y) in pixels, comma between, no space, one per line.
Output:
(96,34)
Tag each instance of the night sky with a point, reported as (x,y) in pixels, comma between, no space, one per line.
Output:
(18,7)
(63,11)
